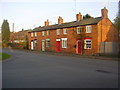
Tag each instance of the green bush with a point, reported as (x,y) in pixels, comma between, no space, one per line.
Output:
(4,44)
(22,45)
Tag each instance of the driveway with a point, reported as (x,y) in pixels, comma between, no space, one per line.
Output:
(37,70)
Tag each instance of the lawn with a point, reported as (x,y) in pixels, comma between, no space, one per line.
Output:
(4,56)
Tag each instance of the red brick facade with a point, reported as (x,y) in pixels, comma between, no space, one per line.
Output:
(79,37)
(18,37)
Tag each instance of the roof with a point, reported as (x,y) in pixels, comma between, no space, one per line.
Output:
(89,21)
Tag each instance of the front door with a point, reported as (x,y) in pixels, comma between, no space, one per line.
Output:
(43,45)
(57,45)
(78,47)
(32,45)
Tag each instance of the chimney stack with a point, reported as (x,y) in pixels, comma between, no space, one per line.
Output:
(78,17)
(60,20)
(46,23)
(104,12)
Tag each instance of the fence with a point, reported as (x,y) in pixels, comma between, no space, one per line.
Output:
(109,48)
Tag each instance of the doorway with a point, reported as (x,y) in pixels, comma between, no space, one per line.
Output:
(43,45)
(57,45)
(78,47)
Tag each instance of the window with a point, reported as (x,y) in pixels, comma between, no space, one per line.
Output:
(31,34)
(64,31)
(35,42)
(88,29)
(43,33)
(88,44)
(79,30)
(58,31)
(47,42)
(35,34)
(48,32)
(64,42)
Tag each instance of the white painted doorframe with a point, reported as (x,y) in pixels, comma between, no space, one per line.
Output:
(32,45)
(43,45)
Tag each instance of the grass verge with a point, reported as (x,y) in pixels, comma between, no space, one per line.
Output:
(4,56)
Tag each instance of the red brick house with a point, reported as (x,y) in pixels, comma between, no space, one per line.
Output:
(18,37)
(82,36)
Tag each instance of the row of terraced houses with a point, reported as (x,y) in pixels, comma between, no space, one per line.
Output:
(82,36)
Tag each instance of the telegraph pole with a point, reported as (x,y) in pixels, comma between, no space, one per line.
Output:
(13,27)
(75,6)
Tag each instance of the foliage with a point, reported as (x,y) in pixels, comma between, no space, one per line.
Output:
(21,45)
(4,43)
(80,37)
(5,31)
(117,23)
(87,16)
(117,19)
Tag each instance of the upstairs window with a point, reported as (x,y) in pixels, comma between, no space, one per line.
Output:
(88,44)
(31,34)
(35,34)
(88,29)
(48,32)
(43,33)
(58,31)
(79,30)
(64,31)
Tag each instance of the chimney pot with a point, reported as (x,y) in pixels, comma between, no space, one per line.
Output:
(60,20)
(46,23)
(104,12)
(79,16)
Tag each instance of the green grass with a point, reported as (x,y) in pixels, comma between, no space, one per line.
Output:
(4,56)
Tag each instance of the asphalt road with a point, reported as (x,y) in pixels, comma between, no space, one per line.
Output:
(37,70)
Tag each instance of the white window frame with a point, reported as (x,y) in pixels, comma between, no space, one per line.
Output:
(35,34)
(79,30)
(43,33)
(58,31)
(32,34)
(64,42)
(88,29)
(64,31)
(48,32)
(47,42)
(86,44)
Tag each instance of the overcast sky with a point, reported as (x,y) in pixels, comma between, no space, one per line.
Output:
(28,14)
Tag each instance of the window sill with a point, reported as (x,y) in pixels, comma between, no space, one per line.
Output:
(64,47)
(87,48)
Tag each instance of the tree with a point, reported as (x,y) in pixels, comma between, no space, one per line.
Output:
(5,31)
(87,16)
(117,19)
(117,23)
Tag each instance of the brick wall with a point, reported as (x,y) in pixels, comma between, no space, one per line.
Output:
(106,32)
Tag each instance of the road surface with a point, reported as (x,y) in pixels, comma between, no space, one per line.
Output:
(36,70)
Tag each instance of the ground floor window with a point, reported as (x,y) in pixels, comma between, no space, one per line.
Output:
(88,44)
(64,42)
(35,42)
(47,42)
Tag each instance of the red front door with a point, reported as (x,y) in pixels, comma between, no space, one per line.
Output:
(78,48)
(57,46)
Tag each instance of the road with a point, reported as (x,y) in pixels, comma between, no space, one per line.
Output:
(36,70)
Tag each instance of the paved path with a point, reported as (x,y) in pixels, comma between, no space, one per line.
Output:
(34,70)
